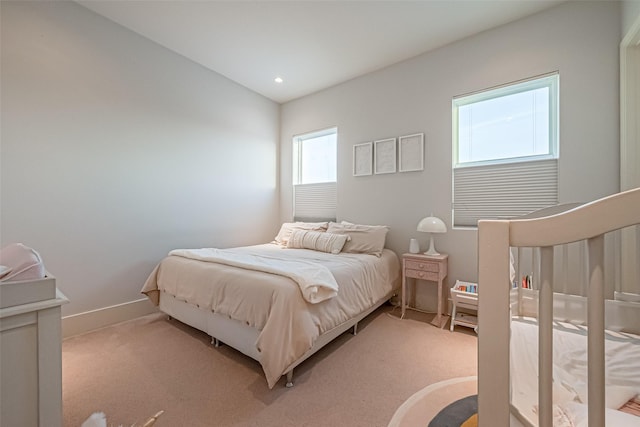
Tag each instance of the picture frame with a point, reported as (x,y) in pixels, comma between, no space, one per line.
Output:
(411,152)
(362,159)
(384,156)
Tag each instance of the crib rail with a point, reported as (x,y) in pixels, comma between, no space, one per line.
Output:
(588,222)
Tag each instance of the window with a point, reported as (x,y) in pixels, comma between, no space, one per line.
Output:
(314,175)
(505,151)
(314,157)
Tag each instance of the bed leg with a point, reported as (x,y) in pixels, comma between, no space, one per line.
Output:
(216,342)
(289,383)
(355,329)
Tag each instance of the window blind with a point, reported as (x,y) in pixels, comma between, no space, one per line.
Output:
(315,201)
(503,190)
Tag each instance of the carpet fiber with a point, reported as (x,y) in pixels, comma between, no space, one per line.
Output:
(132,370)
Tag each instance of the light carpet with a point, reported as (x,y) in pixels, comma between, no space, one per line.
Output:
(134,369)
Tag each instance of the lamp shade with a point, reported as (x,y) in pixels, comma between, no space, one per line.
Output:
(432,224)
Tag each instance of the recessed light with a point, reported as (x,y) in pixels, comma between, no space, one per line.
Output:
(278,80)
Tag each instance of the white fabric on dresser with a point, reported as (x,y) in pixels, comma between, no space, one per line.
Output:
(272,303)
(20,262)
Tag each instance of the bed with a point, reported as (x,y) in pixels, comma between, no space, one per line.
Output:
(271,301)
(549,355)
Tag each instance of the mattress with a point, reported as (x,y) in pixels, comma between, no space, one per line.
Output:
(272,303)
(622,373)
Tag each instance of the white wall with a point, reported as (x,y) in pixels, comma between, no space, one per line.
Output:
(630,136)
(630,12)
(116,150)
(579,39)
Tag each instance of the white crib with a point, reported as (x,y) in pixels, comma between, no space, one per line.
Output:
(498,301)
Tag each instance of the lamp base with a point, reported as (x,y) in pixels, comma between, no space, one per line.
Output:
(432,249)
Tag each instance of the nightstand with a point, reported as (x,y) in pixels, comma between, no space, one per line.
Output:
(431,268)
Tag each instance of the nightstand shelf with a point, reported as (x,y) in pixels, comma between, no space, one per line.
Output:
(462,297)
(431,268)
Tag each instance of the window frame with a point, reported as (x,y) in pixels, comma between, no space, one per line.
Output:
(550,80)
(316,201)
(524,183)
(298,142)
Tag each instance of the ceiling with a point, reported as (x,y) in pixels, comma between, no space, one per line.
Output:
(311,45)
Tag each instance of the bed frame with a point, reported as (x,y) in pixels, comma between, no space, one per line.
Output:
(242,337)
(589,223)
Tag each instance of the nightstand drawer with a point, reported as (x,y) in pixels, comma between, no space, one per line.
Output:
(421,274)
(422,265)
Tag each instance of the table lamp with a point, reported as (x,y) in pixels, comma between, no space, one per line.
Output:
(432,224)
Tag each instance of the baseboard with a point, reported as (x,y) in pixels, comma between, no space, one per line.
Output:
(90,320)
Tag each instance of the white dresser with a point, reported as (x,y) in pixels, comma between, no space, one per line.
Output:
(31,353)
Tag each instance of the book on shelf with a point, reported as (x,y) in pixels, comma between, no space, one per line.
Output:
(468,287)
(527,281)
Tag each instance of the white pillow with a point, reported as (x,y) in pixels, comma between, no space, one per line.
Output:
(288,227)
(318,241)
(363,239)
(615,396)
(579,414)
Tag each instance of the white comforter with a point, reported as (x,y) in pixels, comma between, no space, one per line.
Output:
(315,280)
(273,303)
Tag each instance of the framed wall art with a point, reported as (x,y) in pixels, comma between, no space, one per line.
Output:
(384,156)
(411,153)
(362,159)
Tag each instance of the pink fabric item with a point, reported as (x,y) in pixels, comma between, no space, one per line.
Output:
(21,263)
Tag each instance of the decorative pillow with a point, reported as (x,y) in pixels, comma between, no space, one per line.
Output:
(318,241)
(364,239)
(288,227)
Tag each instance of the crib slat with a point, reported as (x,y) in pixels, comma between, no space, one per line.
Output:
(518,278)
(565,269)
(595,339)
(545,338)
(494,323)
